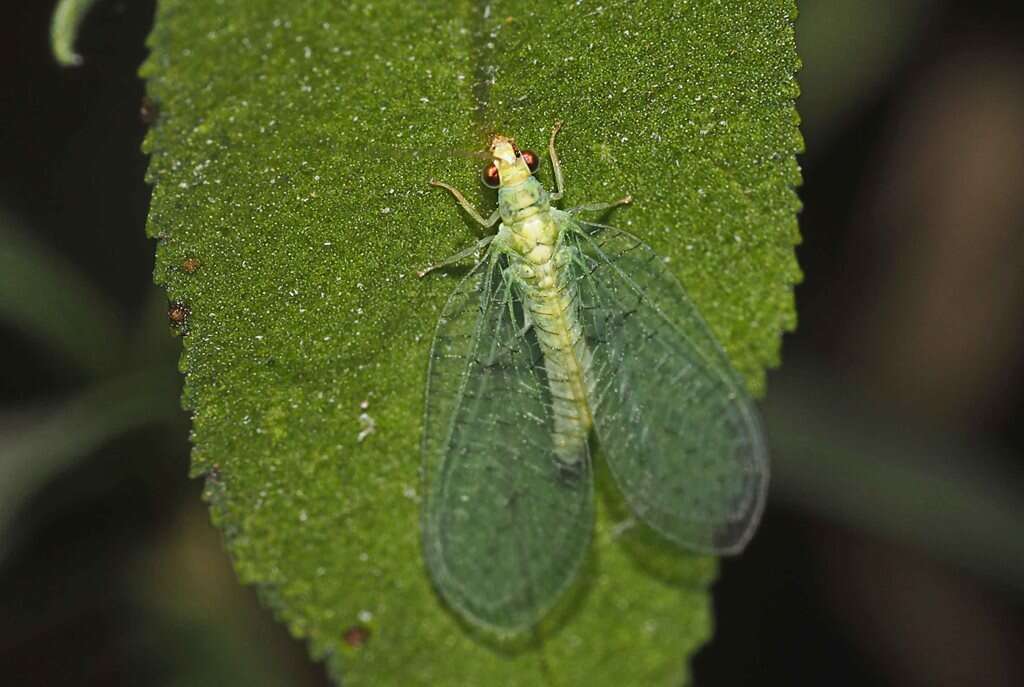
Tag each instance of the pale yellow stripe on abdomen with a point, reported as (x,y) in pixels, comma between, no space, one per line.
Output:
(566,360)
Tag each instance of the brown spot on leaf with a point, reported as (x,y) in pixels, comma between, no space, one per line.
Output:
(356,636)
(177,315)
(148,110)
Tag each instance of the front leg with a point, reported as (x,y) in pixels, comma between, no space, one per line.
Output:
(506,278)
(556,165)
(487,223)
(597,207)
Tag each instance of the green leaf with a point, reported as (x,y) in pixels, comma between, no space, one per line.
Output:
(290,164)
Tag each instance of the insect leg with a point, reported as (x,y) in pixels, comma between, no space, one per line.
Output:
(597,207)
(458,257)
(580,261)
(527,323)
(489,222)
(555,164)
(507,281)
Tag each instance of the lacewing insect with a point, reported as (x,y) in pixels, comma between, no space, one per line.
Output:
(562,330)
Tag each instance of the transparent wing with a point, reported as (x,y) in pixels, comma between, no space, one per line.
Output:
(680,433)
(505,523)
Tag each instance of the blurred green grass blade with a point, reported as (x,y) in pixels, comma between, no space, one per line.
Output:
(946,495)
(197,620)
(850,48)
(67,18)
(47,298)
(290,162)
(40,444)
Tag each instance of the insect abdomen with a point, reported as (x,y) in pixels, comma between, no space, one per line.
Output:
(551,299)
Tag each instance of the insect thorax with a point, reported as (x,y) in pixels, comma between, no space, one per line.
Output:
(522,200)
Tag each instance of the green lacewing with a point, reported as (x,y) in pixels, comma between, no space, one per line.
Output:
(562,333)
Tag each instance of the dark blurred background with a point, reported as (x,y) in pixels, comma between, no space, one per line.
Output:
(892,551)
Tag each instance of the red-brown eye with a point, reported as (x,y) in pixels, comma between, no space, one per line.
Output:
(491,178)
(531,160)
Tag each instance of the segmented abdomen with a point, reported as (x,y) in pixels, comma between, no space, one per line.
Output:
(553,312)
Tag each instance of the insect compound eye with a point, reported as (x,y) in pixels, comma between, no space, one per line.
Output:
(490,175)
(531,160)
